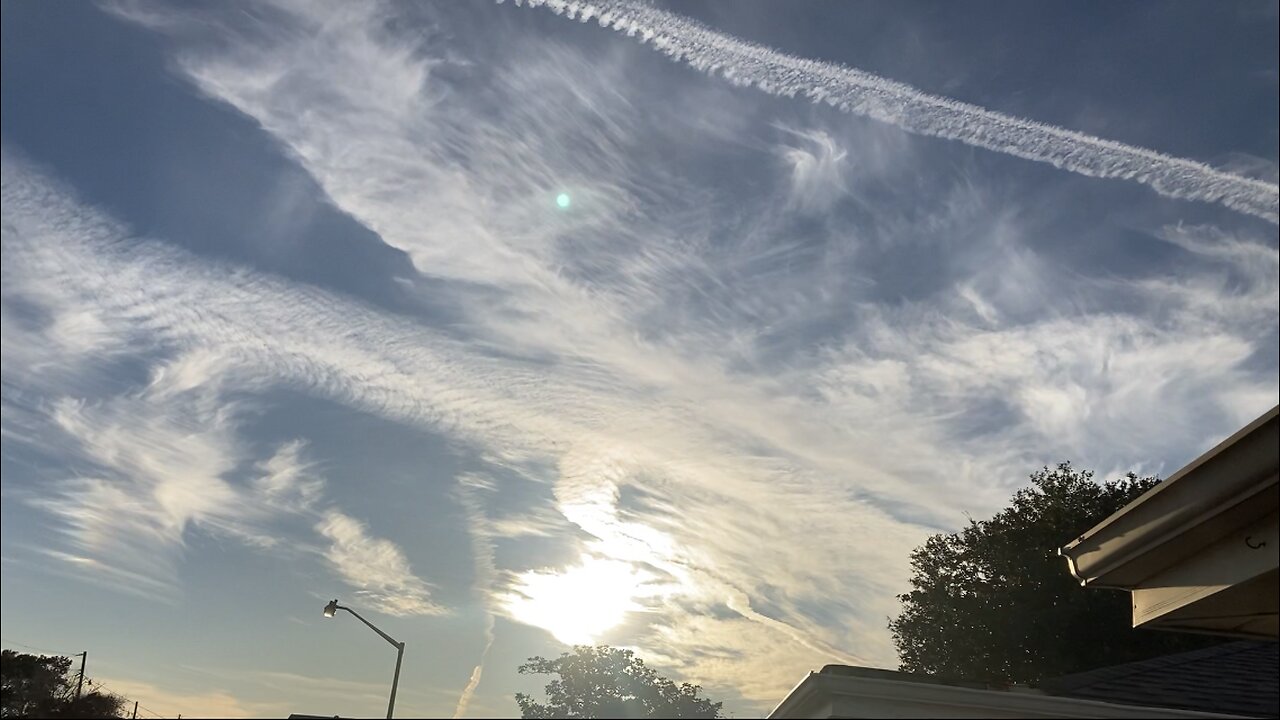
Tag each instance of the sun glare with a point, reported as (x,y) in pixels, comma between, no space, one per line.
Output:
(580,603)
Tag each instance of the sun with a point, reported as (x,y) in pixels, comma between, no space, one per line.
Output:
(580,603)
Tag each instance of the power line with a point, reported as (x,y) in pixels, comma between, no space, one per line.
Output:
(142,707)
(149,711)
(43,650)
(88,681)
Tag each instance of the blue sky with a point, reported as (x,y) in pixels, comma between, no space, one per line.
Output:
(291,312)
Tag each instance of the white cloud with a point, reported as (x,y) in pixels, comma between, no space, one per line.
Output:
(376,567)
(285,479)
(862,93)
(166,702)
(710,651)
(260,693)
(148,465)
(817,167)
(158,472)
(481,533)
(664,376)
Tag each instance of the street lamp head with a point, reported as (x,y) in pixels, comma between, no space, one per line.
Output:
(332,609)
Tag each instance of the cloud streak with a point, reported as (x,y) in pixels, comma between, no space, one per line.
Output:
(377,568)
(480,531)
(151,464)
(817,181)
(679,378)
(861,93)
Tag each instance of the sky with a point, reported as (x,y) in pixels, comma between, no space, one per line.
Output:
(514,326)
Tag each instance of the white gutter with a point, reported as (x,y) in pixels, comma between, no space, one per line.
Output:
(823,695)
(1232,485)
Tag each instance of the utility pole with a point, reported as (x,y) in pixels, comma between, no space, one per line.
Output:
(135,710)
(80,683)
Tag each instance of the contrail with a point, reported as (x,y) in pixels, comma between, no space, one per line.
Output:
(740,603)
(486,578)
(464,700)
(862,93)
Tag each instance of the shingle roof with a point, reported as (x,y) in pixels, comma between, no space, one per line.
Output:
(899,676)
(1238,678)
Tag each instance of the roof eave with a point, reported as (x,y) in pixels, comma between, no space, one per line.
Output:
(1222,479)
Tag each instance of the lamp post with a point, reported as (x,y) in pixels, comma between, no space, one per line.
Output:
(332,609)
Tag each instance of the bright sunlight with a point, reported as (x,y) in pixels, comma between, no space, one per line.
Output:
(579,603)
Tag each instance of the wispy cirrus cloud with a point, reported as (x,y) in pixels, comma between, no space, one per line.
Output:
(481,532)
(376,567)
(688,385)
(862,93)
(257,693)
(151,472)
(157,460)
(817,179)
(167,702)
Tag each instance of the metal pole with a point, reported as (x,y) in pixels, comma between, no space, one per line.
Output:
(135,710)
(400,654)
(80,683)
(395,681)
(399,646)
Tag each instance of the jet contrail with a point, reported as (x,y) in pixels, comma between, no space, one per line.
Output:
(468,692)
(862,93)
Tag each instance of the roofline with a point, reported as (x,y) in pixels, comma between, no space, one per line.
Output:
(1090,551)
(1168,482)
(1029,703)
(797,694)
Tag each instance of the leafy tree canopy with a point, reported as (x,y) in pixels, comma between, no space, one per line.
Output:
(43,686)
(606,682)
(995,602)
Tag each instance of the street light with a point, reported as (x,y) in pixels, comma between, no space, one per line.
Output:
(332,609)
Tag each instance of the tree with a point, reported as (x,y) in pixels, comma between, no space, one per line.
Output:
(995,602)
(606,682)
(43,686)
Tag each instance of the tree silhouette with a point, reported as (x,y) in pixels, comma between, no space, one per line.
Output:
(995,602)
(43,686)
(606,682)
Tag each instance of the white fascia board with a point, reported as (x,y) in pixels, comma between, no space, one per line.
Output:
(1232,484)
(1239,557)
(844,696)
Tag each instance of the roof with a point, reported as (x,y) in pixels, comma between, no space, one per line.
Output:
(1236,678)
(1226,487)
(850,691)
(900,676)
(1199,552)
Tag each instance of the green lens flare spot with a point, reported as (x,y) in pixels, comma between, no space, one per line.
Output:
(562,201)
